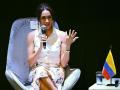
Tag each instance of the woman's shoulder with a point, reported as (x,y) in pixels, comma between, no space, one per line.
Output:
(31,34)
(62,34)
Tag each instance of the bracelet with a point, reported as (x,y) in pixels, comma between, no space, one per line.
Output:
(67,50)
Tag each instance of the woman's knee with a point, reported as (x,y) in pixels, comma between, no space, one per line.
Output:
(47,82)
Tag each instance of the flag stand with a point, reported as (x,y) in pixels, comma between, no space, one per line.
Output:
(110,83)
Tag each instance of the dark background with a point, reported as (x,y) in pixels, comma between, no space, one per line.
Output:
(96,21)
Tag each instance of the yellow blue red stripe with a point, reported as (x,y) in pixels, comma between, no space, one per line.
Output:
(109,69)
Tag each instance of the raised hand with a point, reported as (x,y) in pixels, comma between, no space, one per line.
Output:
(71,38)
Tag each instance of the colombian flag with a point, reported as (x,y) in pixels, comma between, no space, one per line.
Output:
(109,69)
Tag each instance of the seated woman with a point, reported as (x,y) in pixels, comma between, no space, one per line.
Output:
(48,53)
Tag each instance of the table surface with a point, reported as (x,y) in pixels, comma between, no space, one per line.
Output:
(104,87)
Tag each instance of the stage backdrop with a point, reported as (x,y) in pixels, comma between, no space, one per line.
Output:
(96,21)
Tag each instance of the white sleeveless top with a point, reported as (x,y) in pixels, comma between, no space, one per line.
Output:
(51,54)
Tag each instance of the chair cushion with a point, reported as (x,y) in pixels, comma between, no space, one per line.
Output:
(71,79)
(17,49)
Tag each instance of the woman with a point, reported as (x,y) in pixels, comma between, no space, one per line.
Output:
(47,63)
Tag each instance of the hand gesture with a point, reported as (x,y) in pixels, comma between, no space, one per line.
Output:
(71,37)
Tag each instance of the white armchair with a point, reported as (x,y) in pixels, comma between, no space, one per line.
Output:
(17,69)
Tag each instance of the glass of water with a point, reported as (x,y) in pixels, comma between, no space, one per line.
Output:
(99,78)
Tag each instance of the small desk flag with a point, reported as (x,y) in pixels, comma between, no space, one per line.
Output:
(109,69)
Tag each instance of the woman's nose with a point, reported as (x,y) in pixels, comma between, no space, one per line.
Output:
(46,20)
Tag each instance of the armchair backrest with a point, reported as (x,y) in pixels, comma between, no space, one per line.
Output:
(17,48)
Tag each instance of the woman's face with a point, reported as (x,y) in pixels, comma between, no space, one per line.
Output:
(46,19)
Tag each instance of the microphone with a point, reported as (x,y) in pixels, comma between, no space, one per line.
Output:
(43,30)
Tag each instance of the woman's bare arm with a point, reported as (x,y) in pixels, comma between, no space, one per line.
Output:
(32,55)
(65,47)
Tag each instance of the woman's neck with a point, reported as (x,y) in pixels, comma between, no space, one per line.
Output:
(49,32)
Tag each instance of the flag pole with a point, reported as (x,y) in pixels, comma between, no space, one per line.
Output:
(110,83)
(110,80)
(110,46)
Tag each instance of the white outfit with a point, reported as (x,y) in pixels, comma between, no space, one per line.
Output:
(48,63)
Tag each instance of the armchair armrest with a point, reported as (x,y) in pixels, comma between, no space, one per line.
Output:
(15,82)
(72,75)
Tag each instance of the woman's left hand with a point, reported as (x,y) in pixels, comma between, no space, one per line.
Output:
(71,38)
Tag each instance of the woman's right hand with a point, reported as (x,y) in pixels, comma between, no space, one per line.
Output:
(43,38)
